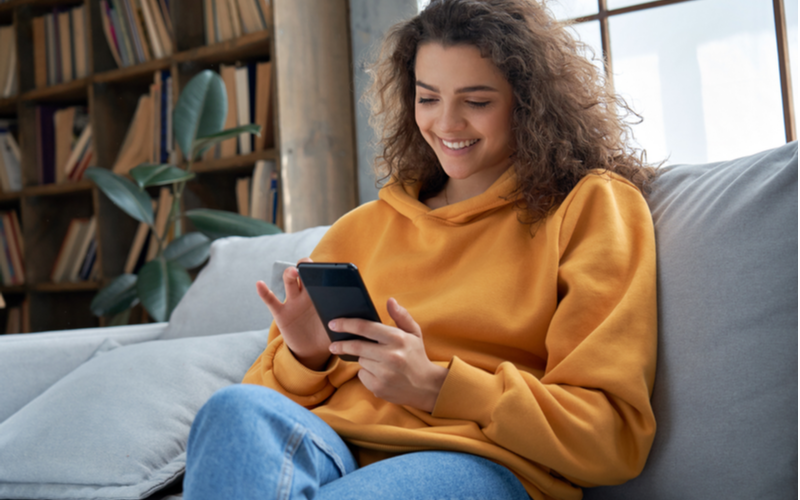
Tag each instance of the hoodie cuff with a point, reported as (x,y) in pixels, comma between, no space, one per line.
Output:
(296,377)
(468,393)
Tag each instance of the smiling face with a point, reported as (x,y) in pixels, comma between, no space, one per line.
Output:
(463,110)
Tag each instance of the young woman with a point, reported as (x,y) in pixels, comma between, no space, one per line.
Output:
(514,253)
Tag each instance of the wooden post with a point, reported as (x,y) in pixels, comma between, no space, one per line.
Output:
(315,112)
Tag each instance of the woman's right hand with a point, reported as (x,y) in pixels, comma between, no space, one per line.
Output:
(300,326)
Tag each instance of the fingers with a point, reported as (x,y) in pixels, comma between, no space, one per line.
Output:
(268,297)
(402,318)
(291,282)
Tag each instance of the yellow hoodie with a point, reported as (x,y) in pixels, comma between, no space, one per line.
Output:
(550,339)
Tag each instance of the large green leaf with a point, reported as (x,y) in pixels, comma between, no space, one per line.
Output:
(161,285)
(200,111)
(123,193)
(220,224)
(118,296)
(201,144)
(188,251)
(158,175)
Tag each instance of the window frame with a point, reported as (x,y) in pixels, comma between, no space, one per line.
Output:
(781,37)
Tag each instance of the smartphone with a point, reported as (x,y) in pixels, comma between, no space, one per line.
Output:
(337,291)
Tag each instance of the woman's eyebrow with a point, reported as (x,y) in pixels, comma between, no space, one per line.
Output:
(463,90)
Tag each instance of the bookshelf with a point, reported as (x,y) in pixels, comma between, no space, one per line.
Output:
(322,186)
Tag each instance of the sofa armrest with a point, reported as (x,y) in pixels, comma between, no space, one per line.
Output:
(31,363)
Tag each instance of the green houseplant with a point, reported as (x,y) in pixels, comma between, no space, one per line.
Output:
(198,119)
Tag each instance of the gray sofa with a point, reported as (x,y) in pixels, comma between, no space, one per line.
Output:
(105,413)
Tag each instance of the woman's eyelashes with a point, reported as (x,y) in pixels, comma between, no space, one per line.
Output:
(474,104)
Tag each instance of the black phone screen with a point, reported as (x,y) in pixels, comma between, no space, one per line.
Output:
(337,291)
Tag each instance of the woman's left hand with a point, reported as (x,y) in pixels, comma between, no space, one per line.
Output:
(396,369)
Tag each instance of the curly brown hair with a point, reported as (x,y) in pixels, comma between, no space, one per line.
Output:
(565,120)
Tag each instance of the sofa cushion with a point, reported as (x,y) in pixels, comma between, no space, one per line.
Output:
(223,298)
(116,427)
(725,394)
(31,363)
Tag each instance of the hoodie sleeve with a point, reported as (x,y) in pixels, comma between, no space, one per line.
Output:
(588,418)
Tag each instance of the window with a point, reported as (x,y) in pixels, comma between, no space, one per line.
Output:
(710,78)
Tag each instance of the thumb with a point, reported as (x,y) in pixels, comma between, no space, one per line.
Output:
(402,318)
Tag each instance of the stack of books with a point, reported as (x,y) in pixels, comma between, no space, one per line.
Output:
(77,257)
(137,30)
(257,197)
(9,78)
(12,263)
(249,101)
(59,46)
(228,19)
(63,143)
(149,137)
(10,160)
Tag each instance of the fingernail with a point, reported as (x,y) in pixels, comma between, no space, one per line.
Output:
(333,348)
(332,325)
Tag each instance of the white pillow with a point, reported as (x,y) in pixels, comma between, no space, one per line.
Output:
(223,298)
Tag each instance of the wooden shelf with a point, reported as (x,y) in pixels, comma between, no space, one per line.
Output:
(58,189)
(239,162)
(7,290)
(245,47)
(69,91)
(80,286)
(10,196)
(133,73)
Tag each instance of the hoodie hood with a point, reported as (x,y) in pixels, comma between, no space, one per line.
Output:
(405,199)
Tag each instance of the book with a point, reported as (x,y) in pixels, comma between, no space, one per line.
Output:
(10,161)
(76,232)
(78,151)
(80,57)
(223,19)
(39,52)
(265,9)
(228,74)
(53,57)
(236,18)
(6,266)
(163,26)
(63,121)
(89,261)
(165,15)
(243,108)
(83,164)
(64,42)
(152,34)
(263,108)
(6,40)
(15,240)
(111,38)
(121,27)
(11,85)
(138,143)
(82,248)
(208,15)
(260,199)
(243,196)
(14,251)
(273,197)
(139,29)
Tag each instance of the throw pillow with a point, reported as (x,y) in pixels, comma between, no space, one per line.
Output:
(725,394)
(223,298)
(29,364)
(116,427)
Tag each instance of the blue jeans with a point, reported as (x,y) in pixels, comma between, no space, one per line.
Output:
(252,442)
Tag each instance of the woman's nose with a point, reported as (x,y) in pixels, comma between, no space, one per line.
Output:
(450,119)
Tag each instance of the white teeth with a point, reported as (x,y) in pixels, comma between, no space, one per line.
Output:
(460,144)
